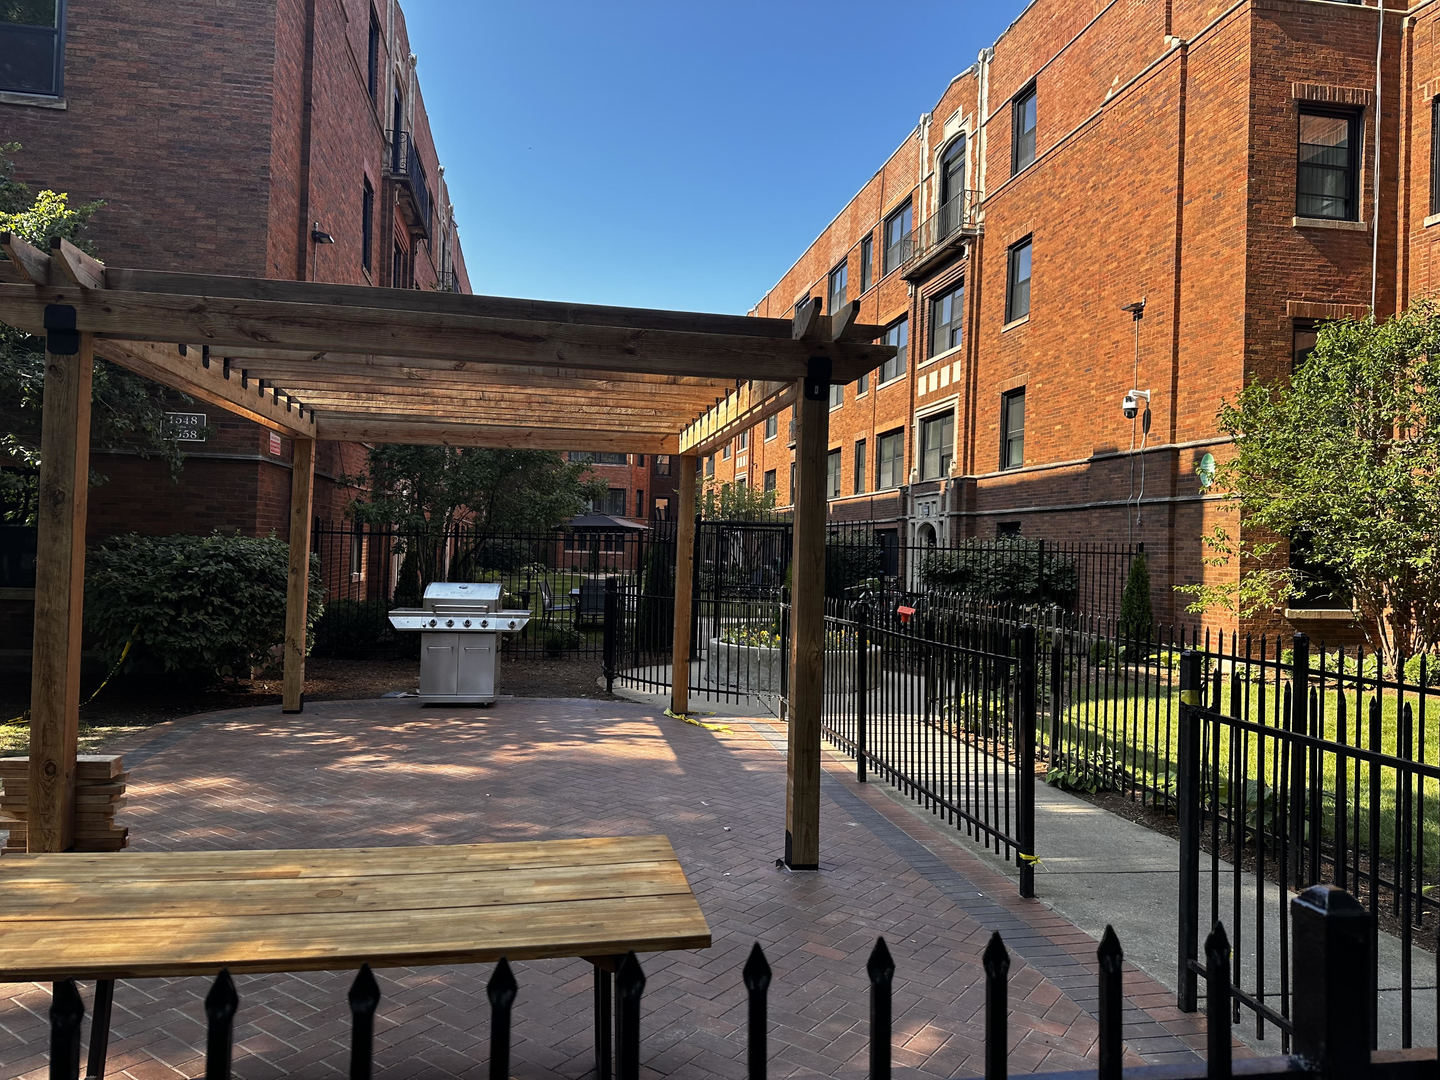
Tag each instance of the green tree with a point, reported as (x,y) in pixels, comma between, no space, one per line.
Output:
(1346,457)
(1137,617)
(127,412)
(426,492)
(724,501)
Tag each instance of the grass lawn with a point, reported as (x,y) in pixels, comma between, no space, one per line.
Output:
(1128,730)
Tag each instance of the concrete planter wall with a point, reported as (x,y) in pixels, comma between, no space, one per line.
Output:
(747,667)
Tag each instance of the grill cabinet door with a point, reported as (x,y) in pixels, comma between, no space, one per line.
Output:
(439,664)
(477,665)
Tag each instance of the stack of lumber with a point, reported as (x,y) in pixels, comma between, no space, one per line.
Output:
(99,792)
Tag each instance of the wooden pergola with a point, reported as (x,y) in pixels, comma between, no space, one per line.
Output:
(315,361)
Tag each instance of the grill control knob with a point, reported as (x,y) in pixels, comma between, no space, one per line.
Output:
(512,624)
(484,622)
(432,622)
(449,622)
(467,622)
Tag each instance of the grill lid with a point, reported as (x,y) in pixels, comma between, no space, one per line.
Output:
(462,595)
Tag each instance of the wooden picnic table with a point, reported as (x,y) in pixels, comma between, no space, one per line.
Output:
(108,916)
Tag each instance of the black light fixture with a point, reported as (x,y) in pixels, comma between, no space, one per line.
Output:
(320,236)
(1136,309)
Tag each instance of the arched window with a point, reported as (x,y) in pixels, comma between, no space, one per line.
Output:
(952,186)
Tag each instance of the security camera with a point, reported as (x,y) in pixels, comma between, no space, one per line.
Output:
(1130,406)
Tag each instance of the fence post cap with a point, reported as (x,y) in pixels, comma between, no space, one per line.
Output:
(1330,901)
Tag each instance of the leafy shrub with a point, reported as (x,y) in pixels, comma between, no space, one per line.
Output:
(559,637)
(1431,674)
(1006,571)
(201,607)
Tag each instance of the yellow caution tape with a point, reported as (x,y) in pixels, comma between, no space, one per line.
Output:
(25,716)
(698,723)
(1032,861)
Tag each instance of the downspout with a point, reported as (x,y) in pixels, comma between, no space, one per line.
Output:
(307,108)
(1375,178)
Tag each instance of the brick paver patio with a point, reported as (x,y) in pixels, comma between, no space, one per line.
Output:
(390,772)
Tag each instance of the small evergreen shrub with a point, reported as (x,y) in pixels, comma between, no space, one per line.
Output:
(1007,571)
(1137,618)
(201,607)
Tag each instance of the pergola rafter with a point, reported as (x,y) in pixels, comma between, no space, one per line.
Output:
(317,361)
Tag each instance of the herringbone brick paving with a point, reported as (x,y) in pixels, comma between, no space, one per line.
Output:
(390,772)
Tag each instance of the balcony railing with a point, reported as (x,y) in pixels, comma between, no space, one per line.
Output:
(403,165)
(943,230)
(447,281)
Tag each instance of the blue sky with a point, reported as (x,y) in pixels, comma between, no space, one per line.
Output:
(676,154)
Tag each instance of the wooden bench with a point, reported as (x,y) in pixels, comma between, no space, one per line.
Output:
(127,915)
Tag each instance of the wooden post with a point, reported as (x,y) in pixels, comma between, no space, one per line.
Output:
(807,627)
(684,584)
(297,593)
(59,589)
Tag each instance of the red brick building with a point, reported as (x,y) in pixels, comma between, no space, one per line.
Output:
(1213,162)
(280,139)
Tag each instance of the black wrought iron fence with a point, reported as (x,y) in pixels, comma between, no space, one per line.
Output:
(943,708)
(1333,973)
(1293,773)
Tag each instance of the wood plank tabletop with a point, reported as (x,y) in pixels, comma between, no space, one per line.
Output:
(133,914)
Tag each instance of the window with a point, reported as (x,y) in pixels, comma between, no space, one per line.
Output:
(769,479)
(1017,282)
(367,224)
(860,467)
(952,187)
(867,263)
(772,427)
(898,334)
(662,464)
(1329,164)
(862,384)
(1012,429)
(743,442)
(725,451)
(1022,129)
(639,502)
(32,47)
(640,460)
(1007,528)
(399,268)
(792,481)
(1302,342)
(897,238)
(835,297)
(590,457)
(710,465)
(742,481)
(889,460)
(615,502)
(832,474)
(946,320)
(1319,586)
(1435,156)
(937,445)
(372,61)
(837,395)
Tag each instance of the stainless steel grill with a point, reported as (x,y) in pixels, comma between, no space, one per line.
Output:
(459,626)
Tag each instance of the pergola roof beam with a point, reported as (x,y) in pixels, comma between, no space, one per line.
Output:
(343,428)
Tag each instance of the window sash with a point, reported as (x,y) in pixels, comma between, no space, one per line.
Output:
(898,334)
(897,237)
(860,467)
(1022,144)
(769,479)
(1327,165)
(937,446)
(837,395)
(867,262)
(946,324)
(832,473)
(889,463)
(1435,156)
(836,299)
(772,426)
(32,55)
(1017,291)
(1012,429)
